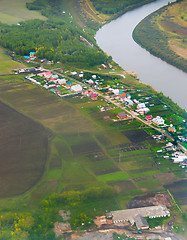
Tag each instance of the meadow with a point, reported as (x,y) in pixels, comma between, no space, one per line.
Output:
(13,12)
(7,64)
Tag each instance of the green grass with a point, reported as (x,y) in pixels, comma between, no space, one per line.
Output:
(7,64)
(111,177)
(12,12)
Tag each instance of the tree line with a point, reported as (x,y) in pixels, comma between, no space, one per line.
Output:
(116,6)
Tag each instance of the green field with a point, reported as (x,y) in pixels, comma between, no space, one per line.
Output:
(7,64)
(12,12)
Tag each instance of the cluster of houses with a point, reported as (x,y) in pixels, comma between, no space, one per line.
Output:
(176,155)
(58,85)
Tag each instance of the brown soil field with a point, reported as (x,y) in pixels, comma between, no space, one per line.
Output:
(23,151)
(179,50)
(173,27)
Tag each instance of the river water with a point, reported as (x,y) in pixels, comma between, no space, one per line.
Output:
(115,38)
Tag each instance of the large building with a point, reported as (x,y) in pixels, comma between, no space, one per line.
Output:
(131,214)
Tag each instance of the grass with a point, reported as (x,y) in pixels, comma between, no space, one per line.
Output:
(12,12)
(116,176)
(7,64)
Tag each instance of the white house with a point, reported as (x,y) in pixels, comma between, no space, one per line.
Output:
(62,81)
(141,105)
(158,120)
(76,88)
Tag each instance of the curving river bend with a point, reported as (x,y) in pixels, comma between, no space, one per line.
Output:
(115,38)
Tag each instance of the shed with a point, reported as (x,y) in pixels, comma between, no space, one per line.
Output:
(121,115)
(141,222)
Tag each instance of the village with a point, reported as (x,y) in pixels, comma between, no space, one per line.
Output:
(132,103)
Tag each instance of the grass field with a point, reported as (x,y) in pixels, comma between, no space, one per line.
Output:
(7,64)
(12,12)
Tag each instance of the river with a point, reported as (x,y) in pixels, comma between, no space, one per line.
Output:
(115,38)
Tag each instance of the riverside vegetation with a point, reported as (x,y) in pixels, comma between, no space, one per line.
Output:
(78,151)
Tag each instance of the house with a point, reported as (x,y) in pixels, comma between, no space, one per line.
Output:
(122,115)
(81,75)
(104,66)
(129,102)
(62,81)
(141,105)
(171,129)
(179,159)
(141,222)
(90,81)
(115,91)
(122,94)
(32,54)
(54,77)
(158,120)
(94,76)
(46,75)
(76,88)
(143,110)
(94,96)
(73,73)
(69,84)
(149,117)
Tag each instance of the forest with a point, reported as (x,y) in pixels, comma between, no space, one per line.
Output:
(56,39)
(112,7)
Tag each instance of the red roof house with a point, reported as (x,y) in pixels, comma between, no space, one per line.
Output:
(149,117)
(94,96)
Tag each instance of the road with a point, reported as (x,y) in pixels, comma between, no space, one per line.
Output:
(130,112)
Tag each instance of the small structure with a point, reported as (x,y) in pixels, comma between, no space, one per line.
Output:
(32,54)
(94,96)
(104,66)
(141,222)
(62,81)
(141,105)
(158,120)
(46,75)
(149,117)
(129,102)
(106,117)
(172,129)
(122,115)
(69,84)
(90,81)
(122,94)
(54,77)
(76,88)
(81,75)
(94,76)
